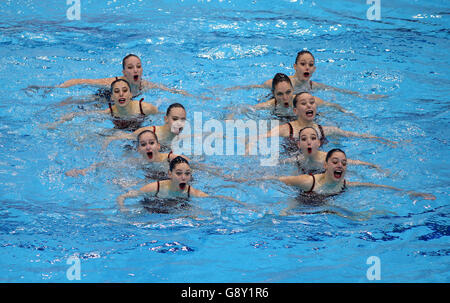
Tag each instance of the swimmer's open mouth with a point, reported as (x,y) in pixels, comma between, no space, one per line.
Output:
(338,174)
(309,113)
(122,100)
(182,186)
(136,77)
(309,150)
(150,155)
(306,74)
(286,104)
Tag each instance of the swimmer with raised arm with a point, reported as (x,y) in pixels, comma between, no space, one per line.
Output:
(174,119)
(311,159)
(126,113)
(305,108)
(305,67)
(177,186)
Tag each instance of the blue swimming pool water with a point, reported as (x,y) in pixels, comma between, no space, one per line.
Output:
(204,47)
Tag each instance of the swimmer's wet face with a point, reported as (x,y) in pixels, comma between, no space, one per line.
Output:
(305,106)
(309,142)
(176,118)
(304,66)
(132,69)
(148,145)
(335,165)
(121,93)
(180,175)
(284,93)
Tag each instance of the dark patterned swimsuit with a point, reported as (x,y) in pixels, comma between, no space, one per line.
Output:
(131,124)
(166,205)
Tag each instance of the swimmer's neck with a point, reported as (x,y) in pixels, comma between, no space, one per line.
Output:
(299,82)
(313,158)
(125,110)
(327,182)
(303,123)
(136,89)
(174,188)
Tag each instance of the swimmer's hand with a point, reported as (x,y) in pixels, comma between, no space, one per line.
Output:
(35,88)
(385,141)
(106,143)
(245,87)
(378,168)
(120,201)
(234,179)
(374,96)
(203,97)
(124,210)
(69,83)
(413,194)
(52,125)
(76,172)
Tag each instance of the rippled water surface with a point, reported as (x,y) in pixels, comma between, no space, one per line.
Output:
(205,47)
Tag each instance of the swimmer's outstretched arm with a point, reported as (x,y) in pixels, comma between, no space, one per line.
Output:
(260,106)
(104,82)
(322,86)
(331,130)
(120,136)
(321,102)
(247,87)
(148,188)
(371,165)
(280,130)
(70,116)
(151,85)
(293,159)
(78,100)
(409,192)
(216,171)
(131,194)
(76,172)
(304,182)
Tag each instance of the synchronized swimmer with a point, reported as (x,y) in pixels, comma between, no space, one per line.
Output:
(310,159)
(149,149)
(174,119)
(332,181)
(305,109)
(131,71)
(305,67)
(282,101)
(177,186)
(126,114)
(322,173)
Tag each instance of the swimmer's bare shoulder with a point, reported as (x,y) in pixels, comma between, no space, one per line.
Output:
(150,188)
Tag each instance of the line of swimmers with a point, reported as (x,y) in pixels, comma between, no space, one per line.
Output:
(331,181)
(131,85)
(322,173)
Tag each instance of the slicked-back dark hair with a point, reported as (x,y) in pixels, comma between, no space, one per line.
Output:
(332,151)
(177,160)
(128,56)
(278,78)
(300,53)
